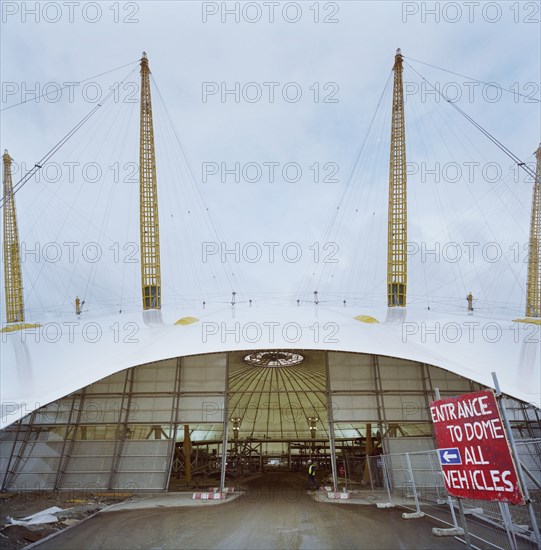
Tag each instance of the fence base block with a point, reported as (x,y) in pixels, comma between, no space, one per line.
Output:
(413,515)
(208,496)
(384,504)
(452,532)
(471,511)
(338,496)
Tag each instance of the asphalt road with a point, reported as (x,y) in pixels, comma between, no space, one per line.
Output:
(275,513)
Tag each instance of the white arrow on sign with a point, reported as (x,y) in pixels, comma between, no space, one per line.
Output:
(447,456)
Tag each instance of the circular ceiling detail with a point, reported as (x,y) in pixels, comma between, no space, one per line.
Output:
(273,359)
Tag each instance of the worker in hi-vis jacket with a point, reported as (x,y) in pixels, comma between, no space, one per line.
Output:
(311,476)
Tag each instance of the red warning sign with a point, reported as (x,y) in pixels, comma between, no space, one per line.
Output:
(473,449)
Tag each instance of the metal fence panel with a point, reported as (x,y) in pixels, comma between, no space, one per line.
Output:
(416,482)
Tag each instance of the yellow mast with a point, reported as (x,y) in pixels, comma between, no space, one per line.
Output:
(149,225)
(397,274)
(13,280)
(533,293)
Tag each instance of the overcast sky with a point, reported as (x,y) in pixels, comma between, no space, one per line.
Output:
(327,65)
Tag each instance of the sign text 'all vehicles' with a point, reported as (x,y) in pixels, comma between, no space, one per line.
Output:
(473,449)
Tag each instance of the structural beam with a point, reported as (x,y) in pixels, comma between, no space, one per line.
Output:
(397,217)
(225,412)
(13,280)
(187,454)
(330,420)
(533,292)
(149,224)
(368,453)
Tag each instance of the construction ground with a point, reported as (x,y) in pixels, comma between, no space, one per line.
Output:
(271,510)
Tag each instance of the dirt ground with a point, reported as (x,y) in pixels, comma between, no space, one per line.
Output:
(75,505)
(275,512)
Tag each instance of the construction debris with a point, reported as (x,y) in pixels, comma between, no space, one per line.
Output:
(45,516)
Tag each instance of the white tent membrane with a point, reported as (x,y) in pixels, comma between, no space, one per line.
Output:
(41,365)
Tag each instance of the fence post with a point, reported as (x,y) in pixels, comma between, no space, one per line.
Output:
(386,476)
(408,462)
(434,455)
(518,465)
(368,460)
(464,524)
(508,524)
(452,510)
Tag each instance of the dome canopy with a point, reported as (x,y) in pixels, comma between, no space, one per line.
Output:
(43,364)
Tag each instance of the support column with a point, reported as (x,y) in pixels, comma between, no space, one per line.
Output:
(151,281)
(236,428)
(289,456)
(225,424)
(187,454)
(368,452)
(382,419)
(312,420)
(173,426)
(533,291)
(330,421)
(397,231)
(13,280)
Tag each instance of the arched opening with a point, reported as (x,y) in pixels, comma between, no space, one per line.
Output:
(241,412)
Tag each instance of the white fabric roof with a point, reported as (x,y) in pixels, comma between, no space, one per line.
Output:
(41,365)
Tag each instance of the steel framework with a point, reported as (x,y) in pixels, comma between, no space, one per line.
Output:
(149,224)
(13,280)
(397,274)
(533,292)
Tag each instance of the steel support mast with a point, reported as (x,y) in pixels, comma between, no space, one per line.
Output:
(149,225)
(398,220)
(13,280)
(533,292)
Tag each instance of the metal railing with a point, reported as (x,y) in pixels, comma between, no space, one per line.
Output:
(415,482)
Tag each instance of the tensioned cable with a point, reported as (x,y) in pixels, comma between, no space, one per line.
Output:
(109,201)
(38,166)
(307,279)
(373,171)
(475,200)
(58,194)
(414,191)
(495,84)
(71,209)
(176,255)
(230,276)
(494,140)
(356,163)
(45,94)
(439,201)
(206,218)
